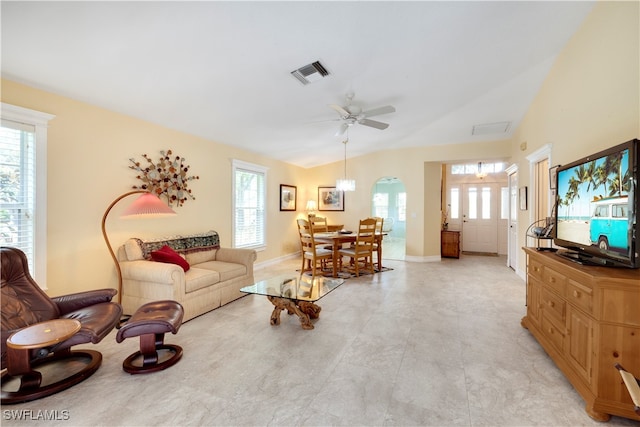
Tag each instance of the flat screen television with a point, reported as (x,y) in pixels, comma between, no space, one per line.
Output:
(597,205)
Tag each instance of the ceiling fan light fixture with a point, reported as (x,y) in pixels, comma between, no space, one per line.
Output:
(351,114)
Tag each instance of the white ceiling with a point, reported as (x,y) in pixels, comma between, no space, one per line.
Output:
(221,70)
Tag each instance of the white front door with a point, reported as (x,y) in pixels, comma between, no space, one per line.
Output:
(480,217)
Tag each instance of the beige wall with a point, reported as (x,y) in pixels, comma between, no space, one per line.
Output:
(591,99)
(419,170)
(88,167)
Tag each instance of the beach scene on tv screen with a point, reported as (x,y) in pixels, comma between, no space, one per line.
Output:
(593,203)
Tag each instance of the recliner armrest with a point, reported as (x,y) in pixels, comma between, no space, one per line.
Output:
(76,301)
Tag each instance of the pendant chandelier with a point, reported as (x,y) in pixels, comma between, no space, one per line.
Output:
(480,173)
(345,184)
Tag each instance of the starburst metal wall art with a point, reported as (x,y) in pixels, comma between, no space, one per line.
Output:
(168,177)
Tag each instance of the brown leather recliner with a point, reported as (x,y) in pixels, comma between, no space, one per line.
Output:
(25,304)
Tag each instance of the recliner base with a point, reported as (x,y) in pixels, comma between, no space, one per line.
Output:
(31,387)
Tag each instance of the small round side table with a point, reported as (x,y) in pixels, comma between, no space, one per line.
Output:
(19,350)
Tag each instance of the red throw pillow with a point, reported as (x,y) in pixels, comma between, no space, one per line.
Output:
(168,255)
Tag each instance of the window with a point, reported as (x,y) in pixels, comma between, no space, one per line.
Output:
(486,203)
(454,204)
(381,205)
(620,211)
(23,191)
(473,202)
(472,168)
(602,211)
(249,213)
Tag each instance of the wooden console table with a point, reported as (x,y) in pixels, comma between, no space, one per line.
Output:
(450,244)
(587,319)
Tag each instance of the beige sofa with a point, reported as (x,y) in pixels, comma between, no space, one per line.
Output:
(214,277)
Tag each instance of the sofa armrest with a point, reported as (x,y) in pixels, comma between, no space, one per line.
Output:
(151,271)
(68,303)
(245,257)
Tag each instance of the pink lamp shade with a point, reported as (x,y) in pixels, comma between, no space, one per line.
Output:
(148,204)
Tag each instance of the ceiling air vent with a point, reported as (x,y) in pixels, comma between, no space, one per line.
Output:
(310,73)
(491,128)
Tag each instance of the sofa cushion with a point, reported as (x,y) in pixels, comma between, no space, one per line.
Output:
(227,270)
(168,255)
(201,256)
(133,249)
(198,278)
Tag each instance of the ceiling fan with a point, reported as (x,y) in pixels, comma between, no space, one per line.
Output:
(351,114)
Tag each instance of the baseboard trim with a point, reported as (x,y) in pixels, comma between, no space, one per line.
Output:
(274,261)
(432,258)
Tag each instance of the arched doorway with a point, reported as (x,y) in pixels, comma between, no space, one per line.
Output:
(389,201)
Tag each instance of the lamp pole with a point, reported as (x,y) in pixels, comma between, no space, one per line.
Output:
(106,238)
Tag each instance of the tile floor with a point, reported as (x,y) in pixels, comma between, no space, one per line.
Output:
(427,344)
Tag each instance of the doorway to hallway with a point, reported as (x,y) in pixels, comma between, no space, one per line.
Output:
(389,201)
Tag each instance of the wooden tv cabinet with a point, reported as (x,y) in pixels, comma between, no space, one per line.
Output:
(587,319)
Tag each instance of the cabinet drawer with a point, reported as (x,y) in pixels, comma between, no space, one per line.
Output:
(535,268)
(554,279)
(553,305)
(579,295)
(553,333)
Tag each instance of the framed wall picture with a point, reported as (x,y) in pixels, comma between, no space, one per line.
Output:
(288,196)
(330,199)
(522,196)
(553,173)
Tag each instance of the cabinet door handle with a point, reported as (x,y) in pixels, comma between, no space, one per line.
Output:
(550,303)
(576,294)
(552,279)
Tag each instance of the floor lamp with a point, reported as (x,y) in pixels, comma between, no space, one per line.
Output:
(146,205)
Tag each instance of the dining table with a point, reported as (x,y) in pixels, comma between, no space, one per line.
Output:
(338,238)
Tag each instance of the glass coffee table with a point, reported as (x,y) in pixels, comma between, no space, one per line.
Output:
(295,293)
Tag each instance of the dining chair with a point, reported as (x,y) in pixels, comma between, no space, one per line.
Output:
(303,228)
(379,228)
(313,254)
(318,224)
(363,247)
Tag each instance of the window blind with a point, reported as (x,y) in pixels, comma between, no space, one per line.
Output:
(249,205)
(18,189)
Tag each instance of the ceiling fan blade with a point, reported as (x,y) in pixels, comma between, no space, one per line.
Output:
(343,129)
(343,113)
(379,111)
(374,124)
